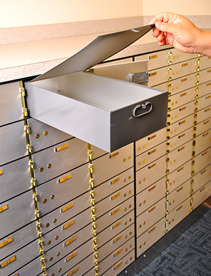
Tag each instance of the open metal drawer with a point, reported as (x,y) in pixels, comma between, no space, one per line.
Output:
(103,111)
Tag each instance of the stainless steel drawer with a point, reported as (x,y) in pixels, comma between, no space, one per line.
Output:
(149,156)
(27,269)
(56,160)
(10,105)
(181,112)
(178,214)
(203,126)
(16,213)
(18,259)
(152,194)
(179,195)
(201,178)
(116,256)
(18,239)
(180,156)
(150,141)
(203,141)
(180,139)
(15,178)
(182,98)
(179,176)
(201,195)
(13,142)
(181,125)
(204,101)
(203,114)
(148,238)
(145,220)
(43,136)
(121,264)
(202,160)
(115,229)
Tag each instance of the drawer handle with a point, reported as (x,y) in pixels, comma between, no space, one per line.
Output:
(208,71)
(205,134)
(151,137)
(180,169)
(152,188)
(117,265)
(6,242)
(68,224)
(117,252)
(208,109)
(64,178)
(185,79)
(184,64)
(183,94)
(114,211)
(202,189)
(3,208)
(149,167)
(178,190)
(182,148)
(153,56)
(180,123)
(71,256)
(116,224)
(70,241)
(152,74)
(115,196)
(182,135)
(152,151)
(182,108)
(203,171)
(113,154)
(12,259)
(180,207)
(117,239)
(142,109)
(206,98)
(152,229)
(204,153)
(114,181)
(1,171)
(65,146)
(72,271)
(66,208)
(152,209)
(204,124)
(208,84)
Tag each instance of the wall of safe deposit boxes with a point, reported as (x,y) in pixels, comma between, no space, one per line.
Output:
(45,214)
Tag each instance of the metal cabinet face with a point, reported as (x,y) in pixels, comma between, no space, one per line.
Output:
(34,266)
(13,142)
(18,239)
(19,258)
(179,176)
(147,157)
(205,75)
(181,125)
(180,139)
(203,141)
(201,195)
(43,136)
(15,178)
(203,126)
(179,195)
(203,114)
(10,106)
(204,89)
(149,237)
(150,216)
(150,141)
(205,62)
(16,213)
(182,98)
(178,214)
(181,112)
(148,197)
(204,101)
(202,160)
(201,178)
(150,174)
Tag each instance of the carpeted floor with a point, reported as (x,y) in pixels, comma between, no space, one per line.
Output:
(189,255)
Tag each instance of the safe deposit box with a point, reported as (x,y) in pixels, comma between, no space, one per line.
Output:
(105,106)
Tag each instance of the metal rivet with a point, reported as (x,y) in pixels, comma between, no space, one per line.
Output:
(124,160)
(129,192)
(45,132)
(59,270)
(49,166)
(56,237)
(47,225)
(52,196)
(51,259)
(126,249)
(125,236)
(37,136)
(44,200)
(49,242)
(131,258)
(130,206)
(58,253)
(41,169)
(54,220)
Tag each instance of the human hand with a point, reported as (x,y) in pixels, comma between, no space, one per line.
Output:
(177,31)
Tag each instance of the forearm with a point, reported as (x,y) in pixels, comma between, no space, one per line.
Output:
(204,43)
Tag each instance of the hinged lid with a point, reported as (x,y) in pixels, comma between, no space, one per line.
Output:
(97,51)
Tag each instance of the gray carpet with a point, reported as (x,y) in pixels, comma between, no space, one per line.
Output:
(189,255)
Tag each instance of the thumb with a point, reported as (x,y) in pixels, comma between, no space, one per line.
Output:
(166,27)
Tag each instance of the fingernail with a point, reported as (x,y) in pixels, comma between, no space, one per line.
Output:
(159,25)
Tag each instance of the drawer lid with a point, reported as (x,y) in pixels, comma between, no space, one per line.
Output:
(97,51)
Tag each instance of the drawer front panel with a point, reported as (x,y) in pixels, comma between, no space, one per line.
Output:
(150,174)
(205,62)
(112,164)
(19,258)
(182,98)
(18,239)
(152,194)
(203,141)
(16,213)
(204,101)
(107,219)
(115,229)
(181,112)
(150,237)
(202,160)
(201,195)
(178,85)
(34,266)
(10,100)
(61,158)
(150,141)
(116,256)
(115,242)
(149,156)
(201,178)
(203,126)
(181,125)
(203,114)
(178,214)
(121,264)
(180,156)
(15,178)
(181,139)
(204,88)
(179,195)
(43,136)
(179,176)
(13,142)
(150,217)
(205,75)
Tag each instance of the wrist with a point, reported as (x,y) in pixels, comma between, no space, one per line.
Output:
(203,45)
